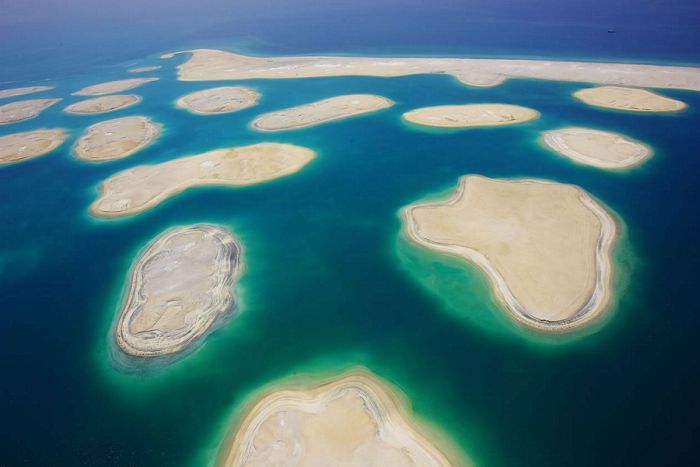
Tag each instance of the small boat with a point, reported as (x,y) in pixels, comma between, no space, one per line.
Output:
(611,31)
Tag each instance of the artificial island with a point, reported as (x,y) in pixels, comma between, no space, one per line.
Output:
(630,99)
(103,104)
(24,110)
(22,91)
(224,99)
(116,138)
(112,87)
(17,147)
(470,115)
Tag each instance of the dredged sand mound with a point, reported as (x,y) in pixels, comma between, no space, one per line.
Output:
(354,420)
(545,246)
(22,91)
(103,104)
(116,139)
(145,69)
(137,189)
(112,87)
(635,100)
(461,116)
(322,111)
(219,100)
(598,148)
(29,144)
(179,287)
(24,110)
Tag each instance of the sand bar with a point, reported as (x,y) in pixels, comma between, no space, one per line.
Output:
(632,99)
(219,100)
(22,91)
(103,104)
(145,69)
(322,111)
(18,147)
(545,246)
(178,288)
(602,149)
(24,110)
(469,115)
(353,420)
(113,87)
(116,139)
(140,188)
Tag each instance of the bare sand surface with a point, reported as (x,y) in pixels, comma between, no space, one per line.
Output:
(469,115)
(103,104)
(22,91)
(145,69)
(211,64)
(18,147)
(602,149)
(545,246)
(178,288)
(113,87)
(219,100)
(632,99)
(140,188)
(24,110)
(322,111)
(353,420)
(116,138)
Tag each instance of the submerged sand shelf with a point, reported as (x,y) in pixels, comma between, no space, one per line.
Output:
(22,91)
(470,115)
(353,420)
(116,139)
(18,147)
(322,111)
(635,100)
(112,87)
(545,246)
(103,104)
(219,100)
(145,69)
(602,149)
(24,110)
(140,188)
(179,288)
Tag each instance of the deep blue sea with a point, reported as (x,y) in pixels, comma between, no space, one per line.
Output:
(330,282)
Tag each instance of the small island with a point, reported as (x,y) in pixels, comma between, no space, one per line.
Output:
(470,115)
(631,99)
(179,287)
(322,111)
(219,100)
(145,69)
(545,246)
(18,147)
(116,139)
(113,87)
(602,149)
(103,104)
(22,91)
(24,110)
(142,187)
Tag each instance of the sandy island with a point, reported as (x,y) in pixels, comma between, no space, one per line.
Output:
(145,69)
(103,104)
(322,111)
(632,99)
(601,149)
(116,139)
(22,91)
(178,288)
(24,110)
(18,147)
(469,115)
(112,87)
(545,246)
(140,188)
(219,100)
(353,420)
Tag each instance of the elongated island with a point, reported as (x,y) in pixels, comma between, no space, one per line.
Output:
(22,91)
(630,99)
(103,104)
(24,110)
(470,115)
(113,87)
(219,100)
(17,147)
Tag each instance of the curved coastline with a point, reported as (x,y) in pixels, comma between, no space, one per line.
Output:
(115,139)
(102,104)
(19,147)
(224,99)
(628,99)
(470,115)
(19,111)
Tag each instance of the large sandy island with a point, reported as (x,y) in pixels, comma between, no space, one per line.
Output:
(24,110)
(635,100)
(208,64)
(145,69)
(178,288)
(137,189)
(322,111)
(598,148)
(354,420)
(545,246)
(29,144)
(116,139)
(460,116)
(219,100)
(22,91)
(103,104)
(112,87)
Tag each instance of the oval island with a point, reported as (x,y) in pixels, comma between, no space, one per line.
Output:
(112,87)
(116,138)
(632,99)
(24,110)
(22,91)
(469,115)
(18,147)
(219,100)
(103,104)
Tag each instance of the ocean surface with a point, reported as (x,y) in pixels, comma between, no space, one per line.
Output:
(330,282)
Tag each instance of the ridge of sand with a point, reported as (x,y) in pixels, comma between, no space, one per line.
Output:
(26,145)
(145,69)
(631,99)
(223,99)
(24,110)
(470,115)
(103,104)
(4,93)
(116,138)
(113,87)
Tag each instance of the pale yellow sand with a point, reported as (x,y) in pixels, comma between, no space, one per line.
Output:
(103,104)
(459,116)
(322,111)
(598,148)
(24,110)
(219,100)
(208,64)
(545,246)
(145,69)
(353,420)
(178,288)
(116,139)
(140,188)
(113,87)
(22,91)
(636,100)
(18,147)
